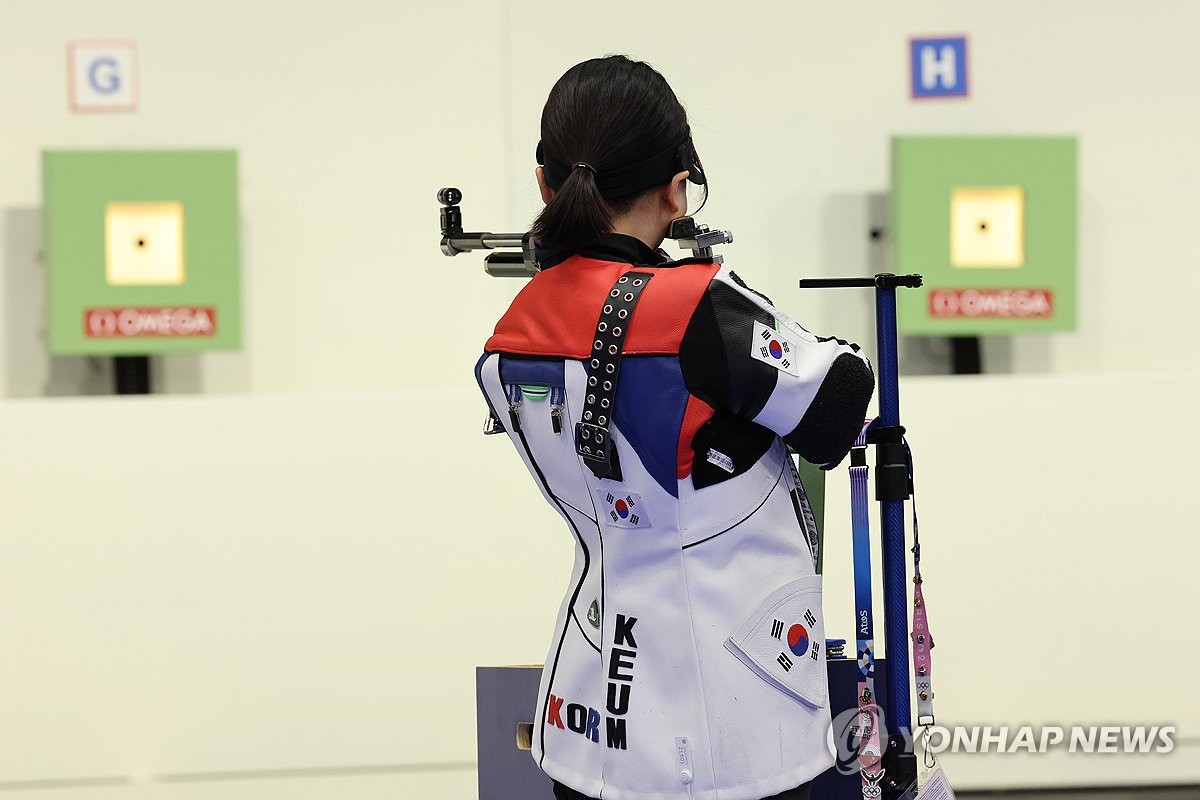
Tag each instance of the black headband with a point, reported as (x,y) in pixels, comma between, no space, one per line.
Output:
(634,178)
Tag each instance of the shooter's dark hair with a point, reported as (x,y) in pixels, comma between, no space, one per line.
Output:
(607,113)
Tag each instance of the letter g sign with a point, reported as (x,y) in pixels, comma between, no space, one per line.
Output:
(103,76)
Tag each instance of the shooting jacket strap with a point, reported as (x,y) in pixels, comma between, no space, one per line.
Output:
(592,440)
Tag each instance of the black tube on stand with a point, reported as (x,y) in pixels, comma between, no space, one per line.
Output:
(131,374)
(966,355)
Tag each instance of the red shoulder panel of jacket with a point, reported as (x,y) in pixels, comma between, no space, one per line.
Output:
(556,313)
(695,415)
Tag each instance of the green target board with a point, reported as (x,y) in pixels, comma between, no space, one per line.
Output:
(991,224)
(142,251)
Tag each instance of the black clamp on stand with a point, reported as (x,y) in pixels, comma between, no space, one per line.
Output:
(892,480)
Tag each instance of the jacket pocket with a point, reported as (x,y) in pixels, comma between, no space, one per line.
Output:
(783,641)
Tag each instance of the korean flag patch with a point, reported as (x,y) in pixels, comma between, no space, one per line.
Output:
(783,641)
(774,348)
(621,509)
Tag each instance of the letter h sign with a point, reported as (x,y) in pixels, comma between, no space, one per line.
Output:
(939,67)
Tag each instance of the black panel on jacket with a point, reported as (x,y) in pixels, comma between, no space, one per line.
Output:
(701,356)
(714,352)
(835,417)
(741,441)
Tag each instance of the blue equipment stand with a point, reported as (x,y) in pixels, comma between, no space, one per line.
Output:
(892,489)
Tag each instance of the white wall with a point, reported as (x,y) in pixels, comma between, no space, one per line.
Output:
(348,119)
(220,597)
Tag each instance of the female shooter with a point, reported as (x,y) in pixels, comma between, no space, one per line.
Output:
(653,402)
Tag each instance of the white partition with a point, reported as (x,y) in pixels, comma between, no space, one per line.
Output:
(242,597)
(276,588)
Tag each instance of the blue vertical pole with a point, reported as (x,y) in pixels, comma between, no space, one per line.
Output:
(896,708)
(892,488)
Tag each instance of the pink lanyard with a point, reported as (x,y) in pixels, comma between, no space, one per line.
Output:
(921,638)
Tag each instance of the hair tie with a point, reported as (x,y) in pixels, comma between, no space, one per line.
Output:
(586,166)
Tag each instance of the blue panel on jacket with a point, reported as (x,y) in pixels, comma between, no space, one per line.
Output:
(651,399)
(532,371)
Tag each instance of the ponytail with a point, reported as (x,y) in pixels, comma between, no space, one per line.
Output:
(577,215)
